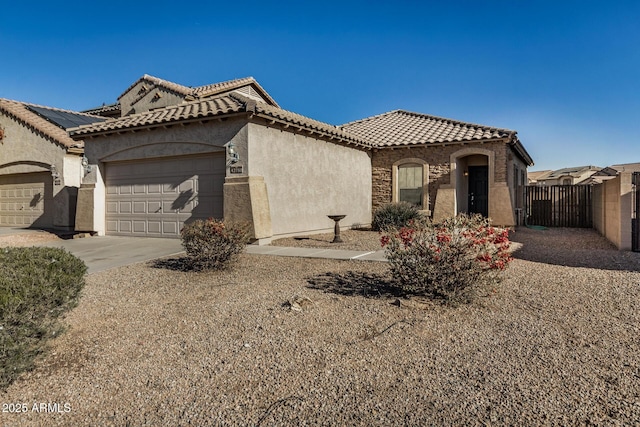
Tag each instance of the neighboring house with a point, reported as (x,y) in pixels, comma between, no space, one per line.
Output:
(610,172)
(565,176)
(532,177)
(167,153)
(444,166)
(158,167)
(626,167)
(40,165)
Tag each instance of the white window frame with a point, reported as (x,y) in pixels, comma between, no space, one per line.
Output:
(395,192)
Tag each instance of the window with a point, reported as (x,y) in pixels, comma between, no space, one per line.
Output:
(566,181)
(410,184)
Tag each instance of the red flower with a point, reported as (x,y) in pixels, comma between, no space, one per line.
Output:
(444,238)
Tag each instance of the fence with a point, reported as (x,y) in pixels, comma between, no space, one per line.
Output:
(613,210)
(635,218)
(558,206)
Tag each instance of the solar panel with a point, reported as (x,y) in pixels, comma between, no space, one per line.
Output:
(65,119)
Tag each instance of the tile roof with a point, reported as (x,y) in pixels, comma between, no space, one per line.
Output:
(399,127)
(535,175)
(175,87)
(572,171)
(20,111)
(205,91)
(627,167)
(104,110)
(216,88)
(221,105)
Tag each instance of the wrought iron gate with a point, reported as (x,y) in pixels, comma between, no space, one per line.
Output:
(558,206)
(635,219)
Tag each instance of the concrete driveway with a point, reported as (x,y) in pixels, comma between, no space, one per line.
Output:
(105,252)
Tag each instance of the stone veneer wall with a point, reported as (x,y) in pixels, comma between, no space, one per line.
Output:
(438,158)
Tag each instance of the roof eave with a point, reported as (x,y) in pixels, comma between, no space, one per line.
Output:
(462,142)
(349,140)
(522,152)
(78,136)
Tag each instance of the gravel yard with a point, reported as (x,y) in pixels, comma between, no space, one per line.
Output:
(27,239)
(353,240)
(556,344)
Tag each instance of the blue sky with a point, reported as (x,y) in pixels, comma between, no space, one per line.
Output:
(564,74)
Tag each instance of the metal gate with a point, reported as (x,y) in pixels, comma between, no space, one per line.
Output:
(558,206)
(635,219)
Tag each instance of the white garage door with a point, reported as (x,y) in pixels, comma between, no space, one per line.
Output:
(154,198)
(26,200)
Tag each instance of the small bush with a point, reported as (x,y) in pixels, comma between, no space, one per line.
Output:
(37,285)
(394,216)
(450,260)
(212,245)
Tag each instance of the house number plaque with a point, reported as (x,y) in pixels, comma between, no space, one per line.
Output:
(235,169)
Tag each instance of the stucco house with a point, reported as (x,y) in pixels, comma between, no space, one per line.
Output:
(445,166)
(224,150)
(40,165)
(167,153)
(565,176)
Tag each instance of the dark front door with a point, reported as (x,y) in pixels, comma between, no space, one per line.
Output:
(479,190)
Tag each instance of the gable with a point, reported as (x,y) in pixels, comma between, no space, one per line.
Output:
(149,93)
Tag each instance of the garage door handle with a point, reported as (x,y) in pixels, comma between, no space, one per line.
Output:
(159,209)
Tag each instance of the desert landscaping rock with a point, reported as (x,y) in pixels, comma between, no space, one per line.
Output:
(30,238)
(555,344)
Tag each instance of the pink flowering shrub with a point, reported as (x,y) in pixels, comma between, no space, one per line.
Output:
(211,244)
(450,260)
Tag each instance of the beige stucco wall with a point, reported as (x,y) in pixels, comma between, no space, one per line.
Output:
(612,210)
(516,183)
(135,100)
(308,179)
(25,151)
(196,138)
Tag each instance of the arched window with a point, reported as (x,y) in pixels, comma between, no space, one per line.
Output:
(566,181)
(410,184)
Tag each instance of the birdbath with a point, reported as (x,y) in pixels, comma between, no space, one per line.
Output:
(336,229)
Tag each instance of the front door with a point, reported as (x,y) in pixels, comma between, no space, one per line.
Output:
(479,190)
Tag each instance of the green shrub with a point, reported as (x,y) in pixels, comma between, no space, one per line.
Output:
(395,215)
(212,245)
(37,285)
(450,260)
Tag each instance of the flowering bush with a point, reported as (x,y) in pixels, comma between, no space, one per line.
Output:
(449,260)
(395,215)
(212,244)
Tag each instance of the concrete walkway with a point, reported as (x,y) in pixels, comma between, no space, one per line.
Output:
(317,253)
(105,252)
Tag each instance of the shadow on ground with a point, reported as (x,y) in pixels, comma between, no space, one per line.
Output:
(174,264)
(573,247)
(354,283)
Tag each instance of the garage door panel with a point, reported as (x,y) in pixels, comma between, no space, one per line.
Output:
(125,226)
(139,207)
(154,207)
(170,227)
(27,200)
(139,226)
(154,227)
(163,193)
